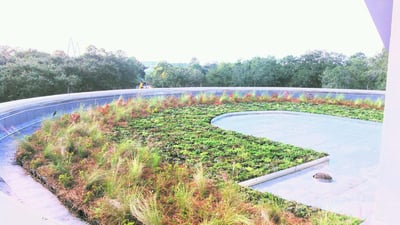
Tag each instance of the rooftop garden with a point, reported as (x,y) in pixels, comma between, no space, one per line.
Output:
(160,161)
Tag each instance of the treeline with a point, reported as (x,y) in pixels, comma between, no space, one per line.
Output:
(30,73)
(317,69)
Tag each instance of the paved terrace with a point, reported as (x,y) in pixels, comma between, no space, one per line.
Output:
(352,145)
(23,201)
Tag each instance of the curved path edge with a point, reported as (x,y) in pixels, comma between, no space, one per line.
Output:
(281,173)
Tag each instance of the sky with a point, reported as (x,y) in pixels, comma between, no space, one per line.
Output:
(178,30)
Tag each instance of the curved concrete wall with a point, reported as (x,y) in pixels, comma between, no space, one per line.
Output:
(20,114)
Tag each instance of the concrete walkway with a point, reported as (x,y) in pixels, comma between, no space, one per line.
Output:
(16,213)
(353,146)
(22,199)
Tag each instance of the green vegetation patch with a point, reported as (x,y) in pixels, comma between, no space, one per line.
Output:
(185,135)
(160,161)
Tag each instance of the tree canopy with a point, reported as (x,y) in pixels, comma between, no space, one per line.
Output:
(314,69)
(31,73)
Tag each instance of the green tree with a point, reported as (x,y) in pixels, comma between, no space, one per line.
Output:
(27,77)
(32,73)
(350,75)
(377,70)
(221,76)
(160,74)
(101,70)
(288,68)
(311,66)
(266,72)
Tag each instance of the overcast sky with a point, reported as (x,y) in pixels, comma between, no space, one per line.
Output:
(177,30)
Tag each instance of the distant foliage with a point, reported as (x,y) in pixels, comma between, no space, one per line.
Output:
(165,74)
(358,72)
(30,73)
(314,69)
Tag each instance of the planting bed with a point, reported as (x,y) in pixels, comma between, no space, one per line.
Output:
(160,161)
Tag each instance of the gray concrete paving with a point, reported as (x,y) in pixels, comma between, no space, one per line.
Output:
(353,146)
(15,213)
(22,199)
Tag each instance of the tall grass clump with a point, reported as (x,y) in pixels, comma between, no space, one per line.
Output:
(135,169)
(145,210)
(200,180)
(184,197)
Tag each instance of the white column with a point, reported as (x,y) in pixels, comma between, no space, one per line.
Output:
(387,204)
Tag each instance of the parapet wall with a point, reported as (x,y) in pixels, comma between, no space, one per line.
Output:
(20,114)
